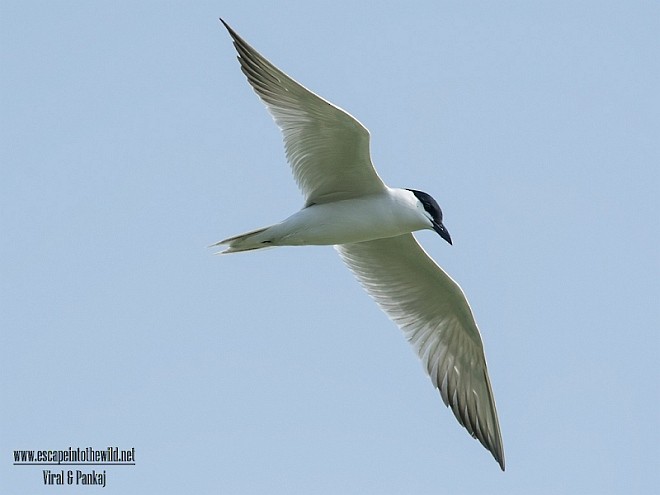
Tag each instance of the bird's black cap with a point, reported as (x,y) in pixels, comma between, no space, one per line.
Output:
(432,207)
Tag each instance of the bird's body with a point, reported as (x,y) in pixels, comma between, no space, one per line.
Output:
(389,213)
(370,224)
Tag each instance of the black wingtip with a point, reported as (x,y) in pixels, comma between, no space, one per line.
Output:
(231,31)
(498,455)
(233,34)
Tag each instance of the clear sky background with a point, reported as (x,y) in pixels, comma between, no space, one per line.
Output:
(130,141)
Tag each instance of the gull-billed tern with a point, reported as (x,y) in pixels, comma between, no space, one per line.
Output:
(348,205)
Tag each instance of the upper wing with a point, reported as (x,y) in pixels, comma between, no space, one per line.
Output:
(327,148)
(432,311)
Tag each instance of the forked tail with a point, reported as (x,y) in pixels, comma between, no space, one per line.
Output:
(244,242)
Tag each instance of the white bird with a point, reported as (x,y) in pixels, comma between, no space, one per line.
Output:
(348,205)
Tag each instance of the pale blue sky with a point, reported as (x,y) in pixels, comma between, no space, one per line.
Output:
(130,141)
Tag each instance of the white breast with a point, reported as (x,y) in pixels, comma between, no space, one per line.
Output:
(389,214)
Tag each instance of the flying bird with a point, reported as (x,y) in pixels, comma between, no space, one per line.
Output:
(347,205)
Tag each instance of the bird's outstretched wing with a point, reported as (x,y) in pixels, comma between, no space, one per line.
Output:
(434,314)
(327,148)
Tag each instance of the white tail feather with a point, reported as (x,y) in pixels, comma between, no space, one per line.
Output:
(243,242)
